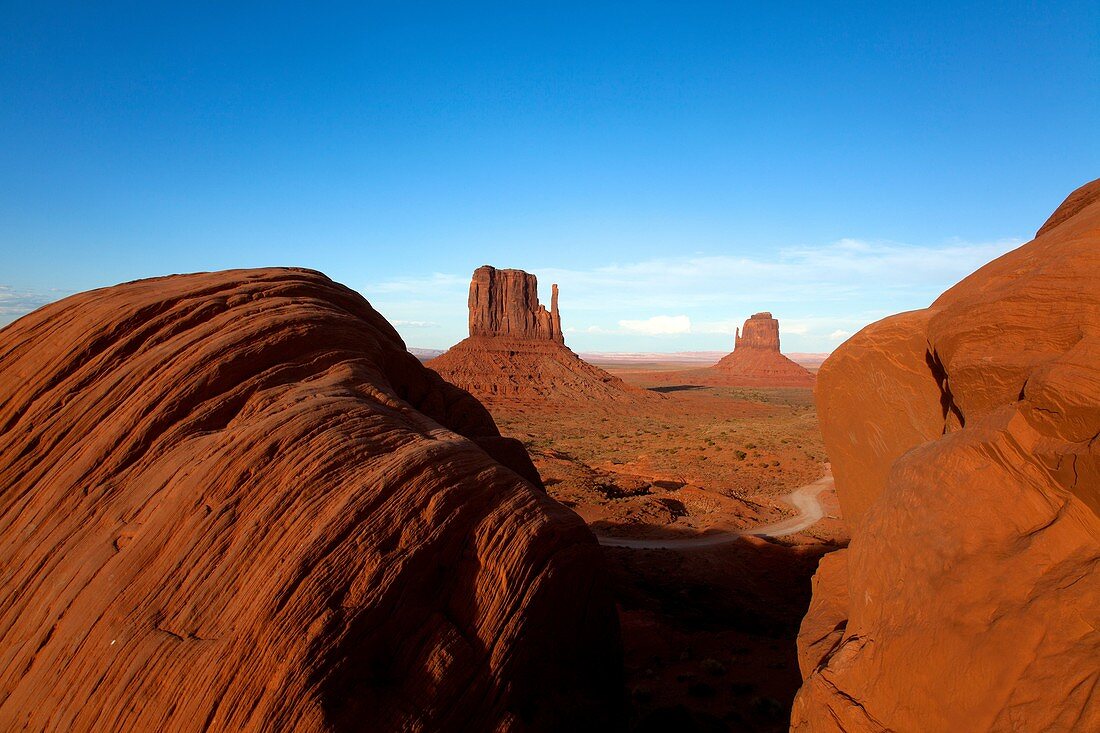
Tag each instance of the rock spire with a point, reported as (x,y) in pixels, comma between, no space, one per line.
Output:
(756,361)
(506,303)
(761,331)
(516,352)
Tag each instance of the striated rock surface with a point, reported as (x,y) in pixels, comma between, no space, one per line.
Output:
(233,501)
(505,303)
(965,442)
(756,360)
(761,331)
(884,370)
(516,351)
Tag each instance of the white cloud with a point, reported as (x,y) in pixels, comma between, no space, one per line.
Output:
(428,285)
(399,322)
(820,294)
(593,329)
(814,291)
(723,327)
(17,303)
(658,325)
(833,272)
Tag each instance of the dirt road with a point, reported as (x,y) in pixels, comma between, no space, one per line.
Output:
(805,499)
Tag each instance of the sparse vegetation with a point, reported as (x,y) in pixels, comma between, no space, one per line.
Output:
(713,667)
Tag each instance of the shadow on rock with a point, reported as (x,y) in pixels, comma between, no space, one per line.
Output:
(709,634)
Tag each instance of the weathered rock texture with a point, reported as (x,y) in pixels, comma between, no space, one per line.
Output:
(516,351)
(761,331)
(756,361)
(505,303)
(965,442)
(233,501)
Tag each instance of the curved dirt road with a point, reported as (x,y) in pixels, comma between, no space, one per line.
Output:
(804,499)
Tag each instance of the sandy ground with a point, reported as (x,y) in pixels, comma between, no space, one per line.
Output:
(709,610)
(806,500)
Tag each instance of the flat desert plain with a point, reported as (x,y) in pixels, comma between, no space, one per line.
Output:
(708,629)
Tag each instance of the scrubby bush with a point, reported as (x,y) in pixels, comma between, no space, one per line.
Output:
(713,667)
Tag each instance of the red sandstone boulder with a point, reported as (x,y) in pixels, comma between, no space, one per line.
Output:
(516,351)
(884,370)
(965,442)
(233,501)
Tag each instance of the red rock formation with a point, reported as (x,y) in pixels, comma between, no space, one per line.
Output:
(756,361)
(761,332)
(233,501)
(516,350)
(506,303)
(965,442)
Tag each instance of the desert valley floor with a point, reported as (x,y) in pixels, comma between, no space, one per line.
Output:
(708,632)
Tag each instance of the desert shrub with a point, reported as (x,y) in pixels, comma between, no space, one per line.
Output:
(741,455)
(713,667)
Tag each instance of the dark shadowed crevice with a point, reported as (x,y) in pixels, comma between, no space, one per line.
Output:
(947,400)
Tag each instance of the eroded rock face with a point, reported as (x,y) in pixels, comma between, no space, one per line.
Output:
(516,351)
(233,501)
(761,331)
(965,442)
(505,303)
(756,361)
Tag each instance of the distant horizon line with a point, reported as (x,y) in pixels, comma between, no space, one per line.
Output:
(693,355)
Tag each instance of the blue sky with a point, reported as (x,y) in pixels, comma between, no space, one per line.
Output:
(674,166)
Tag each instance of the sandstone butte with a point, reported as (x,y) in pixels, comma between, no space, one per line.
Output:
(756,361)
(516,350)
(233,501)
(965,442)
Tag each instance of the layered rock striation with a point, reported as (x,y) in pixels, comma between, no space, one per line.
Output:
(965,442)
(516,351)
(761,331)
(505,303)
(233,501)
